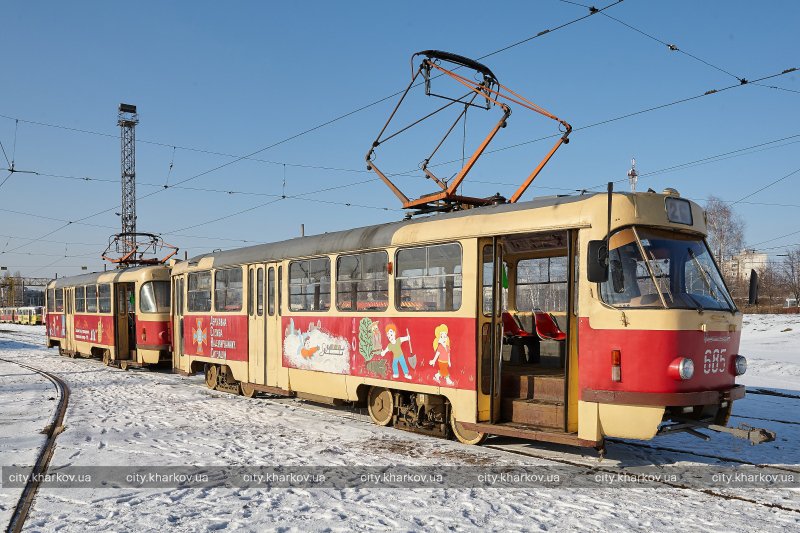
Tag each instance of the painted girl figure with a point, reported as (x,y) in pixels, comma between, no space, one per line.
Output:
(395,346)
(441,343)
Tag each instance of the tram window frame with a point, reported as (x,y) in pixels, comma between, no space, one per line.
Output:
(280,290)
(488,279)
(153,297)
(104,298)
(351,287)
(250,291)
(232,295)
(80,299)
(260,291)
(448,293)
(51,297)
(198,299)
(558,288)
(91,304)
(312,272)
(271,291)
(59,300)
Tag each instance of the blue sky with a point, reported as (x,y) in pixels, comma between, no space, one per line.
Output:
(213,78)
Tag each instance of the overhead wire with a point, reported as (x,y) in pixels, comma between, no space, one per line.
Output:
(323,124)
(767,186)
(776,87)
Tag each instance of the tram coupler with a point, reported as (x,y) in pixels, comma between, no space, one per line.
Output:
(754,435)
(744,431)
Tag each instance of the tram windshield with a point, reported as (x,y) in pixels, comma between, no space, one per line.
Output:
(650,268)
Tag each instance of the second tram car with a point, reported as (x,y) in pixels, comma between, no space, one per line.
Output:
(121,316)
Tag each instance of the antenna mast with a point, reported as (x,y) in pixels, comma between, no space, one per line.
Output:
(633,176)
(130,248)
(127,120)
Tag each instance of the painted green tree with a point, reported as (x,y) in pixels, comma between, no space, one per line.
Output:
(365,339)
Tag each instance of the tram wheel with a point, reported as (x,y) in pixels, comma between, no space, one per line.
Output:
(212,376)
(466,436)
(106,358)
(247,389)
(380,404)
(123,365)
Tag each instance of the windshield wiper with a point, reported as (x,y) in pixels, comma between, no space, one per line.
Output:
(699,307)
(708,280)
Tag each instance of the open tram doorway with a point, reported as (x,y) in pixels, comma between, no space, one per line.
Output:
(526,318)
(125,321)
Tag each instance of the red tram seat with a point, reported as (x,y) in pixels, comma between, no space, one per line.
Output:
(546,327)
(513,327)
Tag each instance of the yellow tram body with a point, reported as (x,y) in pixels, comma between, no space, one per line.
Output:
(243,316)
(121,316)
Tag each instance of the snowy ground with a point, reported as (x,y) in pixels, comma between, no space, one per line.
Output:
(149,418)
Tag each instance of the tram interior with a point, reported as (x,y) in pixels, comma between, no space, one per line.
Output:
(534,307)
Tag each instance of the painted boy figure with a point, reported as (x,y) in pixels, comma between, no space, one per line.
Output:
(395,346)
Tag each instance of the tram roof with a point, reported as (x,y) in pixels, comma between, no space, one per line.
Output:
(364,238)
(93,277)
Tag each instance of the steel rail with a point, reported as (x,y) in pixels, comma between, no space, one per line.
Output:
(55,427)
(708,492)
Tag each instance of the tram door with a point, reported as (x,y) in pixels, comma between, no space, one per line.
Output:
(125,319)
(256,330)
(178,293)
(69,320)
(272,312)
(490,329)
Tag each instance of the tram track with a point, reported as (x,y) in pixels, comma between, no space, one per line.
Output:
(23,506)
(704,455)
(768,392)
(601,469)
(790,422)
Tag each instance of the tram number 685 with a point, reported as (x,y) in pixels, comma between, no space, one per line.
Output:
(714,361)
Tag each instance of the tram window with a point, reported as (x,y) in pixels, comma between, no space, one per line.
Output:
(59,299)
(488,277)
(51,296)
(250,292)
(260,292)
(280,289)
(362,282)
(80,299)
(271,291)
(91,298)
(310,285)
(429,278)
(542,284)
(104,298)
(199,291)
(154,297)
(228,290)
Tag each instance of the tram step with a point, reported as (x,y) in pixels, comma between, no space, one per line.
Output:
(533,412)
(547,388)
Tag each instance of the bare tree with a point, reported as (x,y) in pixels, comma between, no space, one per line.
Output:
(725,232)
(791,273)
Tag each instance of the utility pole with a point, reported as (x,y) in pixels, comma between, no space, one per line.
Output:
(127,119)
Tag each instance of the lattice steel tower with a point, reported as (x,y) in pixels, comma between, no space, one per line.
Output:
(127,120)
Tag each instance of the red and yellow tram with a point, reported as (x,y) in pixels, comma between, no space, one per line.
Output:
(487,321)
(121,316)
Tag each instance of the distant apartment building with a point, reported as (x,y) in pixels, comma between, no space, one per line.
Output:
(740,265)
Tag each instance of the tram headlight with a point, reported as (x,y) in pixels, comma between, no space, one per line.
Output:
(681,368)
(741,365)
